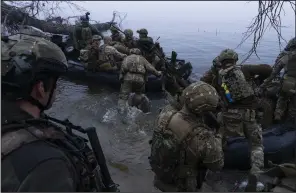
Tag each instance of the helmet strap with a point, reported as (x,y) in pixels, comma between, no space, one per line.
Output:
(42,107)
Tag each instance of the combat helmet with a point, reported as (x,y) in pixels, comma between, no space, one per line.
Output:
(142,31)
(291,45)
(135,51)
(228,54)
(27,62)
(200,97)
(128,33)
(96,37)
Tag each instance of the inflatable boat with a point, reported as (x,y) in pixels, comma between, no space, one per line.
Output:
(279,147)
(78,71)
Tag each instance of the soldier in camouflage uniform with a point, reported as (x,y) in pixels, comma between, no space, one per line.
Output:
(183,146)
(287,98)
(146,44)
(210,76)
(116,35)
(239,116)
(108,56)
(82,34)
(91,53)
(133,75)
(129,40)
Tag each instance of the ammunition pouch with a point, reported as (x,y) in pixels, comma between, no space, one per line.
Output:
(289,85)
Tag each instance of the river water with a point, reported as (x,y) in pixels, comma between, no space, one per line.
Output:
(91,104)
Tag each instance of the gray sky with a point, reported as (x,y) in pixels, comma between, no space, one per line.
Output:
(231,11)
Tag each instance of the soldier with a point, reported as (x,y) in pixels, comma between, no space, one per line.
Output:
(94,52)
(183,146)
(239,115)
(146,44)
(210,76)
(287,99)
(129,40)
(37,155)
(133,75)
(109,56)
(83,33)
(116,35)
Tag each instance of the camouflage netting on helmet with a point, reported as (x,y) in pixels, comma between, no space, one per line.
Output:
(200,97)
(228,54)
(38,47)
(128,32)
(143,31)
(291,45)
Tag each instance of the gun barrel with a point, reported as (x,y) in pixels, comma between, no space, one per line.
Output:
(100,157)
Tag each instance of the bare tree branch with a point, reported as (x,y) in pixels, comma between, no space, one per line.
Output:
(18,13)
(268,17)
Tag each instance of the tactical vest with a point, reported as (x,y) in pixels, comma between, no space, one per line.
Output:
(170,159)
(134,65)
(18,134)
(130,43)
(236,84)
(86,33)
(103,57)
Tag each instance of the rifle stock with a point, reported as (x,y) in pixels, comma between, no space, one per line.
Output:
(109,185)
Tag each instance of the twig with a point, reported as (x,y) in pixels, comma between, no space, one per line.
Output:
(269,16)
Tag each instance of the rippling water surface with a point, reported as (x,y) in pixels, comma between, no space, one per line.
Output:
(92,104)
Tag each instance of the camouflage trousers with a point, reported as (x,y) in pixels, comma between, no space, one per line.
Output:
(182,185)
(286,104)
(242,122)
(127,87)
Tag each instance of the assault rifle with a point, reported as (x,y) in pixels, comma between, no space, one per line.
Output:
(108,184)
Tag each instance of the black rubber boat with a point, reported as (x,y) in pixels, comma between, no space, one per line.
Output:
(78,72)
(279,147)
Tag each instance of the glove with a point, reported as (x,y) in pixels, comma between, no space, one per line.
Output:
(159,73)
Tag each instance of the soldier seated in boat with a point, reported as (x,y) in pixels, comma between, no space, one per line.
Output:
(116,36)
(109,57)
(127,43)
(147,47)
(93,52)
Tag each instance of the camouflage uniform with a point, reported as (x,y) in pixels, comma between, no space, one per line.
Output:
(129,40)
(108,56)
(34,149)
(82,34)
(145,43)
(287,98)
(210,76)
(116,35)
(239,116)
(133,75)
(183,147)
(90,54)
